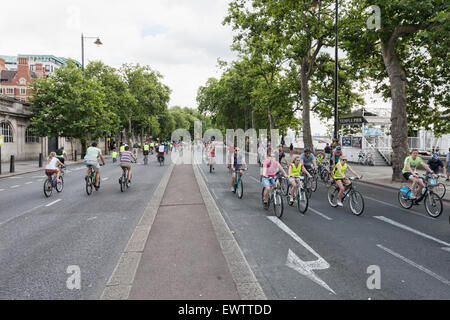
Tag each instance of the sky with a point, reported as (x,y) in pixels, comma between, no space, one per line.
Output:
(182,39)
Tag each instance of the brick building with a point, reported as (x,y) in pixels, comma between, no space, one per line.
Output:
(14,83)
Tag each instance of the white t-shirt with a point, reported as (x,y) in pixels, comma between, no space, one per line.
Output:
(161,148)
(52,165)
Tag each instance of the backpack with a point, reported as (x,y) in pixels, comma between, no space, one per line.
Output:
(59,152)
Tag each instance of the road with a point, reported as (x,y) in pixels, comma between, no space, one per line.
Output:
(410,249)
(41,237)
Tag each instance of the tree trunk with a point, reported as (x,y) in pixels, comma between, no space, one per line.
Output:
(304,90)
(399,120)
(271,120)
(253,119)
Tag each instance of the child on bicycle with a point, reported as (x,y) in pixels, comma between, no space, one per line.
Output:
(295,169)
(126,158)
(52,166)
(270,167)
(340,178)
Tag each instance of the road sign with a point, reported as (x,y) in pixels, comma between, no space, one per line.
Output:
(1,140)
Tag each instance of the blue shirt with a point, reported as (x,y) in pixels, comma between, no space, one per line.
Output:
(434,165)
(307,161)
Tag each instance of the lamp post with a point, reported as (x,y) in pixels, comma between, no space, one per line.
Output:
(97,42)
(314,5)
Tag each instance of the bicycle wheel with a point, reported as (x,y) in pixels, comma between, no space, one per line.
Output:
(356,203)
(314,183)
(89,186)
(302,200)
(284,186)
(404,200)
(48,189)
(278,204)
(240,189)
(122,183)
(433,204)
(440,190)
(262,197)
(60,185)
(210,168)
(333,196)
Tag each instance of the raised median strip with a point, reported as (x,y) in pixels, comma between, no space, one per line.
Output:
(246,283)
(120,283)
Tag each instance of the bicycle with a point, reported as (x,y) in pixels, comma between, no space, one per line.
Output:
(146,159)
(284,182)
(436,186)
(430,198)
(275,198)
(356,199)
(50,184)
(300,196)
(239,185)
(161,159)
(365,159)
(310,183)
(90,180)
(123,180)
(210,163)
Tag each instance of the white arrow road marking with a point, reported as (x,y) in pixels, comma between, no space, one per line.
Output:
(402,226)
(303,267)
(431,273)
(52,203)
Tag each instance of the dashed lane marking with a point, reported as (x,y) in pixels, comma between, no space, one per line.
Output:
(320,214)
(52,203)
(14,187)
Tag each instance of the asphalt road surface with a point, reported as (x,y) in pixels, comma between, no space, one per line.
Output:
(41,237)
(329,253)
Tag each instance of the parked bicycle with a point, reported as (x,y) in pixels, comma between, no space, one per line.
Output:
(432,202)
(356,199)
(50,183)
(365,158)
(299,196)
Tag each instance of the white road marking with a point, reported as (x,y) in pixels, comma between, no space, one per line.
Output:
(320,214)
(398,207)
(430,273)
(251,177)
(93,218)
(4,222)
(104,179)
(215,195)
(446,249)
(402,226)
(303,267)
(52,203)
(2,190)
(13,187)
(15,177)
(29,182)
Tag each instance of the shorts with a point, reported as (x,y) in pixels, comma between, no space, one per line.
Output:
(126,165)
(94,164)
(448,167)
(296,179)
(50,172)
(406,175)
(145,152)
(61,159)
(268,182)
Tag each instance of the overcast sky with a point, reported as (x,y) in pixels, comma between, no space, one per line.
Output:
(180,38)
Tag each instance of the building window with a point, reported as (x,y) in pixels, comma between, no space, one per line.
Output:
(47,68)
(6,131)
(9,90)
(23,91)
(30,137)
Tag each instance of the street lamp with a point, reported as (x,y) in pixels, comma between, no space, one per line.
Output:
(314,5)
(97,42)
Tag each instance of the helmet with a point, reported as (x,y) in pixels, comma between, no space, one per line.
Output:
(338,148)
(435,156)
(307,150)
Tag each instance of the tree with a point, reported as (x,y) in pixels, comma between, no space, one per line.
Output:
(67,104)
(408,59)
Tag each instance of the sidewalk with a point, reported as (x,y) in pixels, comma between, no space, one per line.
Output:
(23,167)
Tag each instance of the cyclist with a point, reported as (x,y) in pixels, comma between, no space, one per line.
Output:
(135,149)
(146,150)
(327,151)
(340,178)
(270,167)
(282,156)
(122,147)
(91,159)
(435,163)
(335,158)
(212,154)
(409,172)
(126,158)
(114,155)
(161,152)
(308,160)
(295,169)
(152,146)
(52,166)
(61,154)
(237,160)
(447,165)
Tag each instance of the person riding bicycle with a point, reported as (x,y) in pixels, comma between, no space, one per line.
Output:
(114,155)
(135,149)
(52,166)
(335,158)
(270,167)
(308,160)
(409,172)
(212,154)
(295,169)
(435,163)
(282,156)
(340,178)
(237,160)
(152,146)
(146,150)
(91,159)
(61,154)
(327,151)
(160,155)
(126,158)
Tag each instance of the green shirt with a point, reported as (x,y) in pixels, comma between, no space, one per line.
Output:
(412,163)
(122,149)
(146,147)
(92,154)
(114,154)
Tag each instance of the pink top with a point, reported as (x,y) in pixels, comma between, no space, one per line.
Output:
(271,171)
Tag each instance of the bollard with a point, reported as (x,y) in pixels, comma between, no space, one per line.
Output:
(75,155)
(11,165)
(40,160)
